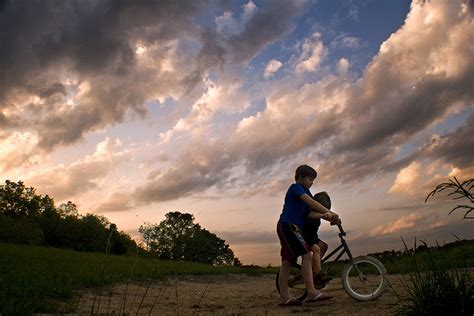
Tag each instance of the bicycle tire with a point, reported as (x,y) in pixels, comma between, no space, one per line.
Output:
(298,291)
(369,286)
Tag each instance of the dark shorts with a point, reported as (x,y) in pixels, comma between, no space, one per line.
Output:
(291,241)
(310,232)
(313,240)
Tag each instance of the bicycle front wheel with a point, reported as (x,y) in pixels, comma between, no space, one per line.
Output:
(364,279)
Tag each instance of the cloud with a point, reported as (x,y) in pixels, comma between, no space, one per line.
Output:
(317,110)
(350,127)
(272,67)
(410,86)
(413,82)
(448,157)
(198,168)
(353,127)
(407,179)
(266,25)
(343,66)
(248,237)
(125,53)
(249,10)
(240,41)
(345,41)
(94,43)
(17,150)
(225,96)
(249,149)
(64,182)
(312,53)
(116,202)
(453,147)
(227,25)
(404,222)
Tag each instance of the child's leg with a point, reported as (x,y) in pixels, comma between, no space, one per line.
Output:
(323,247)
(307,272)
(283,280)
(316,260)
(313,294)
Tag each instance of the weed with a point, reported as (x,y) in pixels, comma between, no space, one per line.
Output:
(438,285)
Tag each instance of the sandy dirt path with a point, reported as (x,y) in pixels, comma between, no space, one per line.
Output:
(224,295)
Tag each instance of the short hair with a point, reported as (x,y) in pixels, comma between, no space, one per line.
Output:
(304,171)
(324,199)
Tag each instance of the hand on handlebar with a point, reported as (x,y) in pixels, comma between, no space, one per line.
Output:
(335,221)
(333,218)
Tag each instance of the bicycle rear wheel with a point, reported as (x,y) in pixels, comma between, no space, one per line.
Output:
(296,287)
(367,281)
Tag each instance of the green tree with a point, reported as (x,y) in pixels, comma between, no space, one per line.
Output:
(16,200)
(20,230)
(122,243)
(168,239)
(93,234)
(206,247)
(68,209)
(20,209)
(179,238)
(148,232)
(29,218)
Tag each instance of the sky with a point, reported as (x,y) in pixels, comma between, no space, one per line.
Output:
(133,109)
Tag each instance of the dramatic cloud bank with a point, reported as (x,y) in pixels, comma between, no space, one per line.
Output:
(358,126)
(78,67)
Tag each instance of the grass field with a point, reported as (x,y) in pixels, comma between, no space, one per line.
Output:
(35,279)
(459,254)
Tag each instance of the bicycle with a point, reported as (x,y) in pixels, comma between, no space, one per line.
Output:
(363,278)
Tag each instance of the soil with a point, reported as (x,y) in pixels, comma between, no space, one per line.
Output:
(224,295)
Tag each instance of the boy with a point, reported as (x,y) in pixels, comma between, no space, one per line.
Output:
(299,204)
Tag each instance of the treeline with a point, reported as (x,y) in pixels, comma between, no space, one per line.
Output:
(392,255)
(29,218)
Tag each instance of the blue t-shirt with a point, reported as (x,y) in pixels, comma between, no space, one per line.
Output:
(295,210)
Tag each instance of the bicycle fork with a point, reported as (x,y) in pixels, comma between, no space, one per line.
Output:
(344,245)
(361,275)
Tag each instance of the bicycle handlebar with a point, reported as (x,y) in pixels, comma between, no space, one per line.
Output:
(338,223)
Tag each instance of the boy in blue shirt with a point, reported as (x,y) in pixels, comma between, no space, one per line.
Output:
(299,205)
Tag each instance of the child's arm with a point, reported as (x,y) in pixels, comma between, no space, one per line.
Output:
(316,208)
(314,215)
(327,216)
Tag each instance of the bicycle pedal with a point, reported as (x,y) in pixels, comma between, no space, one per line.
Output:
(320,287)
(322,277)
(296,281)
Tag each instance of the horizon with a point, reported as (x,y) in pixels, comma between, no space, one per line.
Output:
(138,109)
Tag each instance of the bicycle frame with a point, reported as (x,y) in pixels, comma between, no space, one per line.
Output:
(354,263)
(343,248)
